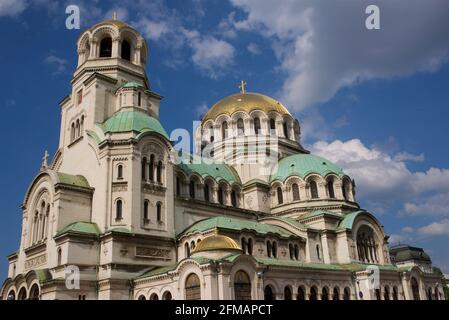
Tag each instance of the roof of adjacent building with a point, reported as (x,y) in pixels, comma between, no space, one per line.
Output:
(74,180)
(218,171)
(235,224)
(88,228)
(247,102)
(137,121)
(302,165)
(402,253)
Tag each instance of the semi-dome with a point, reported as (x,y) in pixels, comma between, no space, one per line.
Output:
(217,242)
(303,164)
(245,102)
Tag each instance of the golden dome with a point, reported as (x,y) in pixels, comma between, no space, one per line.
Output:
(217,242)
(119,24)
(245,102)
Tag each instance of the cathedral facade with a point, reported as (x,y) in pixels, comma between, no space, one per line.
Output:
(250,215)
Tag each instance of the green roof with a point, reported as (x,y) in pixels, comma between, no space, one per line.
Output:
(132,84)
(317,213)
(80,228)
(290,221)
(402,253)
(303,164)
(349,219)
(125,121)
(74,180)
(355,267)
(237,225)
(297,264)
(218,171)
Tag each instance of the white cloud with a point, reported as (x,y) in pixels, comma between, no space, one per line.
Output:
(435,228)
(202,109)
(324,46)
(254,48)
(437,204)
(12,7)
(405,156)
(59,63)
(153,30)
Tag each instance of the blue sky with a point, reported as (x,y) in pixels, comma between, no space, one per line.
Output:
(375,102)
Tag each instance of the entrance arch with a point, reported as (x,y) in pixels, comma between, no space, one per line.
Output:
(415,289)
(242,286)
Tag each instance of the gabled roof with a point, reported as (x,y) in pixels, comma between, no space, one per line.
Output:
(236,224)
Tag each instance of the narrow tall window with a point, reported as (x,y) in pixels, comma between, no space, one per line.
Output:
(330,189)
(145,211)
(256,125)
(159,172)
(240,127)
(313,189)
(224,130)
(178,186)
(72,132)
(318,252)
(272,127)
(295,192)
(151,168)
(120,172)
(126,50)
(139,99)
(79,97)
(274,249)
(77,128)
(192,189)
(106,48)
(269,249)
(159,212)
(250,246)
(144,169)
(118,210)
(220,196)
(234,198)
(206,192)
(280,197)
(285,129)
(59,256)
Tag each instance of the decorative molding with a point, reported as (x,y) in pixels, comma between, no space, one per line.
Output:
(153,253)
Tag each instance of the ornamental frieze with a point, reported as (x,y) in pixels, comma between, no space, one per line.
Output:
(154,253)
(35,262)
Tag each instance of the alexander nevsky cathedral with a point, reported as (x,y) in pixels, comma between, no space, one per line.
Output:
(249,214)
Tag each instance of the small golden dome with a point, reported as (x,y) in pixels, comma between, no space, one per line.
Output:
(119,24)
(217,242)
(245,102)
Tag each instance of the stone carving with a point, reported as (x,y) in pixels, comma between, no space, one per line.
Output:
(35,262)
(155,253)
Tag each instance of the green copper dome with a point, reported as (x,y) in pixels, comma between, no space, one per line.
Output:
(303,164)
(124,121)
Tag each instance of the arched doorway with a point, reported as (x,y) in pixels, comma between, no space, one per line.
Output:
(287,293)
(325,294)
(336,294)
(34,292)
(11,295)
(22,294)
(167,296)
(268,293)
(347,294)
(301,294)
(415,289)
(313,293)
(193,288)
(242,286)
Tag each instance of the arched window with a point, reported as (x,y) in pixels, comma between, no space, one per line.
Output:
(35,227)
(206,192)
(82,125)
(126,50)
(268,294)
(274,249)
(146,215)
(272,126)
(77,128)
(296,252)
(224,130)
(285,129)
(256,125)
(22,294)
(415,289)
(378,297)
(313,189)
(346,294)
(287,293)
(151,168)
(295,192)
(336,294)
(141,297)
(243,241)
(234,198)
(144,166)
(280,197)
(192,189)
(119,171)
(159,212)
(290,249)
(106,48)
(11,295)
(45,222)
(240,127)
(192,287)
(159,172)
(187,249)
(318,252)
(167,296)
(437,294)
(325,294)
(269,249)
(154,296)
(72,132)
(34,292)
(313,293)
(387,293)
(59,258)
(250,246)
(395,293)
(118,210)
(178,186)
(330,188)
(242,286)
(301,294)
(221,196)
(139,99)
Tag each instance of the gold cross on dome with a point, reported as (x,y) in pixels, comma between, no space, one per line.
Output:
(242,86)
